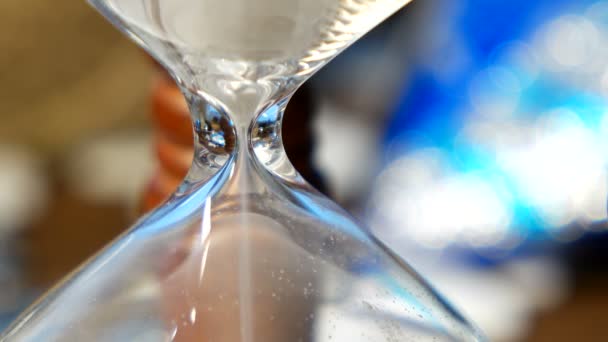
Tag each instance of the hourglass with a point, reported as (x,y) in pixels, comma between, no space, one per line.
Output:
(245,250)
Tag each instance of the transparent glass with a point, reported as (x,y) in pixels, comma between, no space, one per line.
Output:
(245,250)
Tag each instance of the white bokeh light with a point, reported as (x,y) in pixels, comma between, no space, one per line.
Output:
(571,41)
(562,173)
(435,207)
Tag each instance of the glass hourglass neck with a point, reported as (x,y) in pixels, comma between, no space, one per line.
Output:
(245,134)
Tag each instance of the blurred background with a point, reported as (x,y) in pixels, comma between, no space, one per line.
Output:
(470,135)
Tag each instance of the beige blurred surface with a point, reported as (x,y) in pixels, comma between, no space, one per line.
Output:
(65,73)
(67,78)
